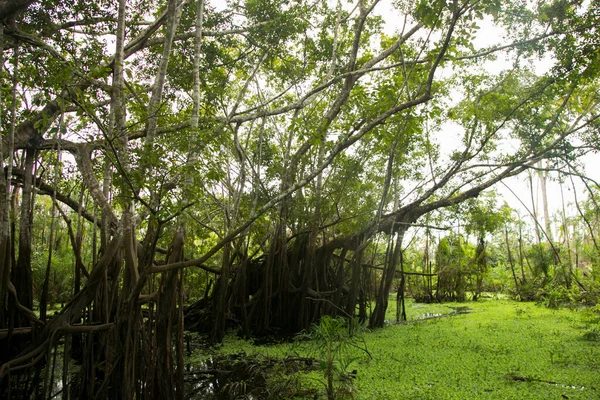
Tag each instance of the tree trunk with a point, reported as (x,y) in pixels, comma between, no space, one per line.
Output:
(22,272)
(400,306)
(542,253)
(166,386)
(173,17)
(511,261)
(377,319)
(481,263)
(356,265)
(543,186)
(44,295)
(4,214)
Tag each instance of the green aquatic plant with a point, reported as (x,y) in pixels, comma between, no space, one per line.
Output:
(502,349)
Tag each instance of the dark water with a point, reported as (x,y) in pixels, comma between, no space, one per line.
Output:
(227,377)
(240,376)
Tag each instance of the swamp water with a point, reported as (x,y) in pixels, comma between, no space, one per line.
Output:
(506,350)
(239,376)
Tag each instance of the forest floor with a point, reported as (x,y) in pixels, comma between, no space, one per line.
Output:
(495,349)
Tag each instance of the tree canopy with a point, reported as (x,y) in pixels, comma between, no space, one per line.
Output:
(254,153)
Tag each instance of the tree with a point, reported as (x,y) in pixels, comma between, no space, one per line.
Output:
(483,218)
(270,145)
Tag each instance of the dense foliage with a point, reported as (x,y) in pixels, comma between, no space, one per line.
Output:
(259,164)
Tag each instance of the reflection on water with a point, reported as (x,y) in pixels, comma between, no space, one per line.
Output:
(237,376)
(223,378)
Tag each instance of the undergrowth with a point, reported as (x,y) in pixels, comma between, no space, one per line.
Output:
(501,349)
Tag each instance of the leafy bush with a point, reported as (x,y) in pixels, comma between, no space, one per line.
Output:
(334,342)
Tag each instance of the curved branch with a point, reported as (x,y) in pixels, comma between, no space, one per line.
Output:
(48,190)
